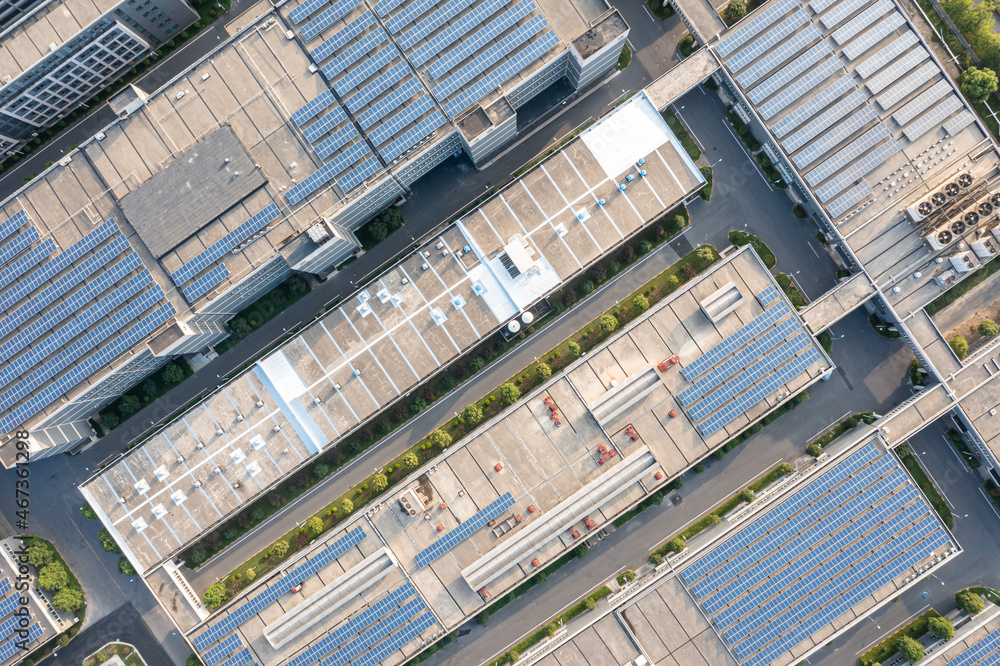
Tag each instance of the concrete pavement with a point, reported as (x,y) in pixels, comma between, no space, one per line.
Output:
(980,297)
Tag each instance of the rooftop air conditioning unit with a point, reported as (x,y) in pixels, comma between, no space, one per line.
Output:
(411,503)
(257,442)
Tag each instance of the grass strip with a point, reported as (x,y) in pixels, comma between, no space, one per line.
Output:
(706,192)
(962,447)
(884,651)
(926,485)
(624,58)
(677,127)
(963,287)
(741,238)
(793,293)
(846,425)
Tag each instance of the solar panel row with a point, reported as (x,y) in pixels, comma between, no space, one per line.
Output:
(465,530)
(782,53)
(257,221)
(389,103)
(922,102)
(313,107)
(768,296)
(411,11)
(354,52)
(432,22)
(812,129)
(327,18)
(841,12)
(16,246)
(741,337)
(848,153)
(397,641)
(801,87)
(369,638)
(867,41)
(863,20)
(359,173)
(223,649)
(959,123)
(26,261)
(335,141)
(762,44)
(367,69)
(382,83)
(858,170)
(844,202)
(902,66)
(790,71)
(978,652)
(12,224)
(886,54)
(315,132)
(456,30)
(393,125)
(412,136)
(200,287)
(755,26)
(341,37)
(480,38)
(835,137)
(12,647)
(900,91)
(241,658)
(932,118)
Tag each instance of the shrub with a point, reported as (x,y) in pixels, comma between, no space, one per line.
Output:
(39,554)
(598,272)
(746,495)
(125,567)
(689,271)
(129,405)
(607,323)
(590,604)
(380,482)
(108,542)
(544,371)
(645,246)
(587,286)
(551,629)
(347,506)
(815,450)
(969,601)
(257,514)
(628,253)
(800,397)
(640,302)
(215,596)
(628,575)
(63,640)
(88,512)
(274,499)
(960,346)
(193,660)
(314,526)
(988,327)
(230,534)
(251,574)
(941,627)
(798,211)
(441,439)
(320,470)
(673,281)
(698,468)
(734,11)
(714,519)
(477,364)
(473,414)
(786,468)
(68,599)
(198,555)
(279,548)
(419,404)
(705,254)
(509,393)
(910,649)
(656,559)
(148,387)
(483,617)
(53,576)
(172,374)
(978,83)
(410,461)
(574,348)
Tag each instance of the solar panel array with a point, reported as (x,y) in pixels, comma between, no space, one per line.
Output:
(989,646)
(354,52)
(844,202)
(465,530)
(13,223)
(16,246)
(253,606)
(359,173)
(886,54)
(11,647)
(53,390)
(392,126)
(814,556)
(922,102)
(485,35)
(775,57)
(841,12)
(410,12)
(313,107)
(789,72)
(327,18)
(219,248)
(863,20)
(905,88)
(223,649)
(819,6)
(958,123)
(303,11)
(201,286)
(432,22)
(316,131)
(411,136)
(381,83)
(365,70)
(897,69)
(847,154)
(835,137)
(823,121)
(385,6)
(8,605)
(341,37)
(933,118)
(867,41)
(363,643)
(397,640)
(755,26)
(389,103)
(802,87)
(858,170)
(456,30)
(336,141)
(741,337)
(759,46)
(241,658)
(511,65)
(353,626)
(768,296)
(327,172)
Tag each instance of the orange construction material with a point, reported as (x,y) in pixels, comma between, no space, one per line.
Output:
(662,367)
(440,528)
(497,467)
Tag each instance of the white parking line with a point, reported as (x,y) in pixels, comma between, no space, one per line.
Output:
(954,452)
(990,502)
(893,630)
(749,154)
(813,249)
(648,13)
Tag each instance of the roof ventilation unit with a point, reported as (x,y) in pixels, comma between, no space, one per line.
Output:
(141,486)
(411,502)
(257,442)
(161,473)
(159,511)
(139,524)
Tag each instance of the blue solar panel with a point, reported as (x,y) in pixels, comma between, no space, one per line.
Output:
(393,125)
(16,246)
(201,286)
(484,36)
(223,649)
(456,30)
(768,296)
(303,11)
(4,585)
(465,530)
(377,87)
(354,52)
(327,18)
(813,105)
(389,103)
(397,640)
(312,109)
(755,26)
(52,391)
(360,645)
(10,625)
(11,647)
(241,658)
(487,58)
(386,6)
(334,142)
(432,22)
(29,260)
(60,263)
(353,626)
(268,596)
(12,224)
(511,66)
(8,605)
(366,69)
(982,648)
(73,278)
(412,136)
(256,222)
(359,173)
(327,172)
(341,37)
(411,12)
(735,341)
(315,132)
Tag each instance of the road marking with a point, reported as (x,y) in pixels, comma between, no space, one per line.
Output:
(937,485)
(891,631)
(687,126)
(990,502)
(954,452)
(755,165)
(829,427)
(649,14)
(95,555)
(813,249)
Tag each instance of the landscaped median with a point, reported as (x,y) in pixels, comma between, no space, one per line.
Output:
(926,485)
(454,430)
(745,496)
(905,641)
(815,447)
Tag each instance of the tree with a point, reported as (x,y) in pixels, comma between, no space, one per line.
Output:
(800,397)
(815,450)
(39,554)
(587,286)
(108,542)
(714,519)
(640,302)
(589,603)
(473,414)
(960,346)
(250,574)
(969,601)
(509,393)
(53,576)
(63,640)
(215,596)
(551,629)
(574,348)
(380,482)
(978,84)
(747,495)
(440,439)
(988,327)
(172,374)
(410,460)
(314,526)
(347,506)
(910,649)
(628,575)
(198,555)
(193,660)
(673,281)
(419,404)
(941,627)
(88,512)
(378,230)
(656,559)
(240,328)
(477,364)
(544,371)
(129,405)
(110,420)
(734,11)
(125,567)
(786,468)
(279,548)
(607,323)
(675,545)
(320,470)
(68,599)
(483,617)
